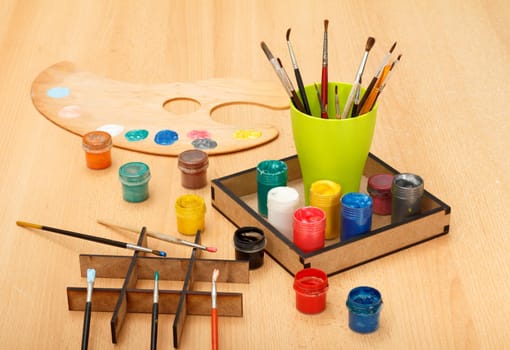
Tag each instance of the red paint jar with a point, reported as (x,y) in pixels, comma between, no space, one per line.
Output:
(309,226)
(379,188)
(311,286)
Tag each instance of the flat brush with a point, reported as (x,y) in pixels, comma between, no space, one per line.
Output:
(214,311)
(155,313)
(297,73)
(384,62)
(92,238)
(324,78)
(357,81)
(162,236)
(281,75)
(91,277)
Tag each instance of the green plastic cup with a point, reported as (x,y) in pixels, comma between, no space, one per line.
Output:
(332,149)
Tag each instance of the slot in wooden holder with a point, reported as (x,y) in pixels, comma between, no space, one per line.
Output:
(128,299)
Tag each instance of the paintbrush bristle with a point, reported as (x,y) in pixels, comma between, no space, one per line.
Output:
(91,275)
(393,47)
(370,43)
(326,23)
(215,275)
(288,34)
(266,50)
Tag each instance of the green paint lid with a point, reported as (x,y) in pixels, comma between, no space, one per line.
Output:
(134,173)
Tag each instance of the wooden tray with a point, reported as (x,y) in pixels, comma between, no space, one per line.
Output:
(236,198)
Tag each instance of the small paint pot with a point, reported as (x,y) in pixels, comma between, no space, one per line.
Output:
(407,191)
(325,194)
(135,177)
(356,214)
(282,202)
(190,212)
(379,188)
(249,243)
(97,146)
(364,305)
(309,225)
(311,286)
(193,165)
(270,174)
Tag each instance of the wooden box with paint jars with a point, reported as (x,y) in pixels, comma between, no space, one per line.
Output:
(235,196)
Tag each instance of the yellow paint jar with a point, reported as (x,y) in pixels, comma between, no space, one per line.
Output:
(190,212)
(325,194)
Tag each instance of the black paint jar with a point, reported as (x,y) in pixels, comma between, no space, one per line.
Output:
(250,243)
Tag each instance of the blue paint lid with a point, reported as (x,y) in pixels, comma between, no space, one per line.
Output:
(364,300)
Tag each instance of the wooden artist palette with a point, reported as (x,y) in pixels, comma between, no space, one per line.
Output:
(136,115)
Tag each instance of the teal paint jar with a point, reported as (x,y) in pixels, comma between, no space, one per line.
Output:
(270,174)
(134,177)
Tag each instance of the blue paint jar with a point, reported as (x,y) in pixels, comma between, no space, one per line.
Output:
(270,174)
(364,305)
(356,214)
(134,177)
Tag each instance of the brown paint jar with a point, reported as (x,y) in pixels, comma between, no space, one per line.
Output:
(193,165)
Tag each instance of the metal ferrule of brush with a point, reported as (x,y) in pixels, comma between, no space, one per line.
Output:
(138,248)
(90,287)
(213,296)
(155,295)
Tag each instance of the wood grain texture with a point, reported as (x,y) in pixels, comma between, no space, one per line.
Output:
(443,115)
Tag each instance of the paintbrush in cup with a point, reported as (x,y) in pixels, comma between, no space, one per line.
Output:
(324,112)
(384,62)
(297,73)
(324,77)
(284,79)
(357,81)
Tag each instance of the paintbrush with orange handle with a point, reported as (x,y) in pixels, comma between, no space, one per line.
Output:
(214,311)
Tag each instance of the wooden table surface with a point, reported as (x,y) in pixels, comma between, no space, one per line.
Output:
(442,116)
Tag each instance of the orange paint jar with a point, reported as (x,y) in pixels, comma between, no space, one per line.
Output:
(97,146)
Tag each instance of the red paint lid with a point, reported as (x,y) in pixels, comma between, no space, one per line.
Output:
(380,183)
(311,281)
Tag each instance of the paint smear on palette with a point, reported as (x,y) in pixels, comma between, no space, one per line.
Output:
(246,134)
(70,112)
(166,137)
(136,135)
(198,134)
(112,129)
(204,143)
(58,92)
